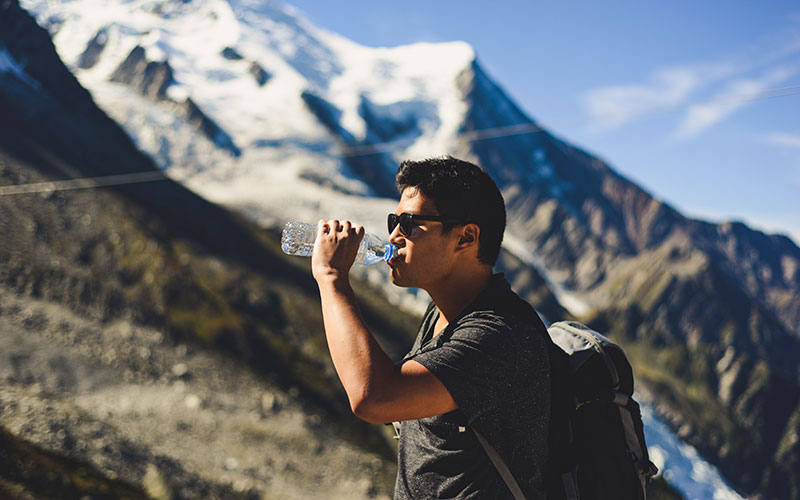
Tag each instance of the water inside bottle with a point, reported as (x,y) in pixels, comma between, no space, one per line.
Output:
(297,239)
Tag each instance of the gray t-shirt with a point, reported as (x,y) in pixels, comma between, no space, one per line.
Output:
(494,362)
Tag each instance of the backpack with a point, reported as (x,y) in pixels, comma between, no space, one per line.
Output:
(597,446)
(609,453)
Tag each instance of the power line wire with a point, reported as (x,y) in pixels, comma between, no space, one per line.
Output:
(83,183)
(376,148)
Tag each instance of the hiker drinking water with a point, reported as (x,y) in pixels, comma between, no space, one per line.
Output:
(479,368)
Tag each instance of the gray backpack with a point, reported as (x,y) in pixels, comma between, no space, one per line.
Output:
(598,450)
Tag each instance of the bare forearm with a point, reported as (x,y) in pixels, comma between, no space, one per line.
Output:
(378,392)
(359,360)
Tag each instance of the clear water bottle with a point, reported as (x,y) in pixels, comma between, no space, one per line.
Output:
(298,239)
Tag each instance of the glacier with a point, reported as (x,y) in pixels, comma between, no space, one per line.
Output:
(681,464)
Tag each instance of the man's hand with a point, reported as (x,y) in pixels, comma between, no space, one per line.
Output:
(335,248)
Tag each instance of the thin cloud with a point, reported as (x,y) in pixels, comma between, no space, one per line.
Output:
(614,106)
(672,88)
(789,140)
(736,95)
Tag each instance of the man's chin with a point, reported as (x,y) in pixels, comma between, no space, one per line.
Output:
(397,280)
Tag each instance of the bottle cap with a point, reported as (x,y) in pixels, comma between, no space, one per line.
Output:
(388,252)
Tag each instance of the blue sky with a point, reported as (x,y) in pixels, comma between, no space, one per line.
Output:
(698,102)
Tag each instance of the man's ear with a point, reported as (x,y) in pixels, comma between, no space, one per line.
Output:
(468,235)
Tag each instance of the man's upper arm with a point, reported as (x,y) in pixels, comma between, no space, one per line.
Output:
(477,363)
(410,393)
(472,370)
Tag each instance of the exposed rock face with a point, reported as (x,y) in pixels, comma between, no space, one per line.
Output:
(91,55)
(373,166)
(232,54)
(259,73)
(152,78)
(149,78)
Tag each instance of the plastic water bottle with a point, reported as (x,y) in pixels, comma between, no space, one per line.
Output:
(298,239)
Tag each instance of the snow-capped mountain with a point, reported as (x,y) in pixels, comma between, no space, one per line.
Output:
(252,106)
(288,101)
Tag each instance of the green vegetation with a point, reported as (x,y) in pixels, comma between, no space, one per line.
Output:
(28,472)
(682,379)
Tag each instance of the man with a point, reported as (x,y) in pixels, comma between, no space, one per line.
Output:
(480,361)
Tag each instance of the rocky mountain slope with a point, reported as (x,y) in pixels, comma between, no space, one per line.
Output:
(161,344)
(281,120)
(708,312)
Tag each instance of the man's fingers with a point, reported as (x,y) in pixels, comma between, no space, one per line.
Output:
(335,226)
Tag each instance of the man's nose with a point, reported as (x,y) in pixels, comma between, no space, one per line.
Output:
(396,237)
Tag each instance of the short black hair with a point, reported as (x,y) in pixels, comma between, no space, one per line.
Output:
(460,190)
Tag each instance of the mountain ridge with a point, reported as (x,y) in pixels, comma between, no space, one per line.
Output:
(634,262)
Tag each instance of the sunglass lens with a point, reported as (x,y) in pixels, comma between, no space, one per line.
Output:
(405,224)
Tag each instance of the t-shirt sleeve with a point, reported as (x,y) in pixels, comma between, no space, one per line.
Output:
(477,364)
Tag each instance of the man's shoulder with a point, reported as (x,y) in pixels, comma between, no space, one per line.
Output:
(508,308)
(508,330)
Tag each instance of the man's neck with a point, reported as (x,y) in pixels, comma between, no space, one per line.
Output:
(457,292)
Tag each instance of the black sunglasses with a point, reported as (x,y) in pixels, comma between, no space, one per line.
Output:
(406,221)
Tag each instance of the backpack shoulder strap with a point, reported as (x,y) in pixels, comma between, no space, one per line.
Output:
(568,479)
(501,466)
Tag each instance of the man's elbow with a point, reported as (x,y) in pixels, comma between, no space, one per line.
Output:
(368,409)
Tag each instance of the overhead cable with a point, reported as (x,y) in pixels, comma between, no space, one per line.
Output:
(83,183)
